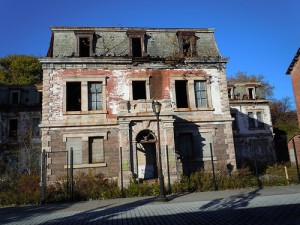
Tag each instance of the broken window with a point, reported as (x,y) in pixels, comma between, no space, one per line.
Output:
(136,47)
(84,43)
(15,97)
(251,93)
(259,117)
(136,42)
(139,90)
(95,95)
(73,96)
(251,121)
(186,43)
(200,94)
(13,128)
(84,47)
(96,152)
(181,93)
(35,127)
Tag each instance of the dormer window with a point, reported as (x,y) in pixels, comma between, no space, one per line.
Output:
(84,43)
(136,43)
(251,92)
(187,43)
(15,97)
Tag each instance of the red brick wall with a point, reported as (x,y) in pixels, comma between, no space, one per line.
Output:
(295,76)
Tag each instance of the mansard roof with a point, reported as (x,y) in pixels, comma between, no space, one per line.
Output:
(160,43)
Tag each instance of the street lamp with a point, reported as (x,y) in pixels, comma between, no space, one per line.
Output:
(156,106)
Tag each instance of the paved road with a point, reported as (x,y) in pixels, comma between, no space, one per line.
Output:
(277,205)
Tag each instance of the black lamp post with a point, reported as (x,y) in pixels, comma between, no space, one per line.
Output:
(156,106)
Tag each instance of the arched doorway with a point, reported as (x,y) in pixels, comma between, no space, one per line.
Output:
(146,155)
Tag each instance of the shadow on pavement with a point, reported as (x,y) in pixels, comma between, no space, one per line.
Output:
(236,201)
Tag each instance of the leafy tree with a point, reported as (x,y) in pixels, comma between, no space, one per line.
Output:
(20,69)
(284,117)
(243,77)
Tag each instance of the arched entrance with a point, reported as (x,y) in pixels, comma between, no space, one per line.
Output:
(146,155)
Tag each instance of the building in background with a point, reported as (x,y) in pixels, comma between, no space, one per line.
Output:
(20,115)
(98,89)
(252,125)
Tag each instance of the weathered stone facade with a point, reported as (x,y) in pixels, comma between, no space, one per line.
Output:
(20,115)
(252,125)
(99,85)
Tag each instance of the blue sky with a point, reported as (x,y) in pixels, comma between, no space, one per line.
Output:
(259,36)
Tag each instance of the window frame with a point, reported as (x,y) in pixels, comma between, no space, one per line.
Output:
(11,98)
(191,92)
(258,124)
(86,148)
(84,94)
(147,87)
(12,134)
(89,34)
(191,38)
(134,34)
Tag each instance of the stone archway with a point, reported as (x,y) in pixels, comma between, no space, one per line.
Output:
(146,155)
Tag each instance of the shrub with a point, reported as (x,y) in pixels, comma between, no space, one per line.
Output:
(23,189)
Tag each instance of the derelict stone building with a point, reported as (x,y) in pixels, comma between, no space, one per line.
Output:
(98,89)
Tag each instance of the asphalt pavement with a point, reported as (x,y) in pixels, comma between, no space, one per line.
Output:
(274,205)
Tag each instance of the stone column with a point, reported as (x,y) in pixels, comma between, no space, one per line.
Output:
(124,142)
(168,153)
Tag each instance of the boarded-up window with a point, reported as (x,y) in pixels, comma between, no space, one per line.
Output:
(96,153)
(76,144)
(186,145)
(200,94)
(206,139)
(95,96)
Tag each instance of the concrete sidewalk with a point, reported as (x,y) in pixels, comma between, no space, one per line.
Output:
(245,206)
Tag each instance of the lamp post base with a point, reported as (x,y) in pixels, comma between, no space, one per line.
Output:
(161,198)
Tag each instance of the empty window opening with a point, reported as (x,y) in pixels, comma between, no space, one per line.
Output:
(13,128)
(95,96)
(15,97)
(181,93)
(251,93)
(200,94)
(84,47)
(251,121)
(139,90)
(73,96)
(136,47)
(186,47)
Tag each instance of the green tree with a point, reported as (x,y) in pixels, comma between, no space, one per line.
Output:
(284,117)
(243,77)
(20,69)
